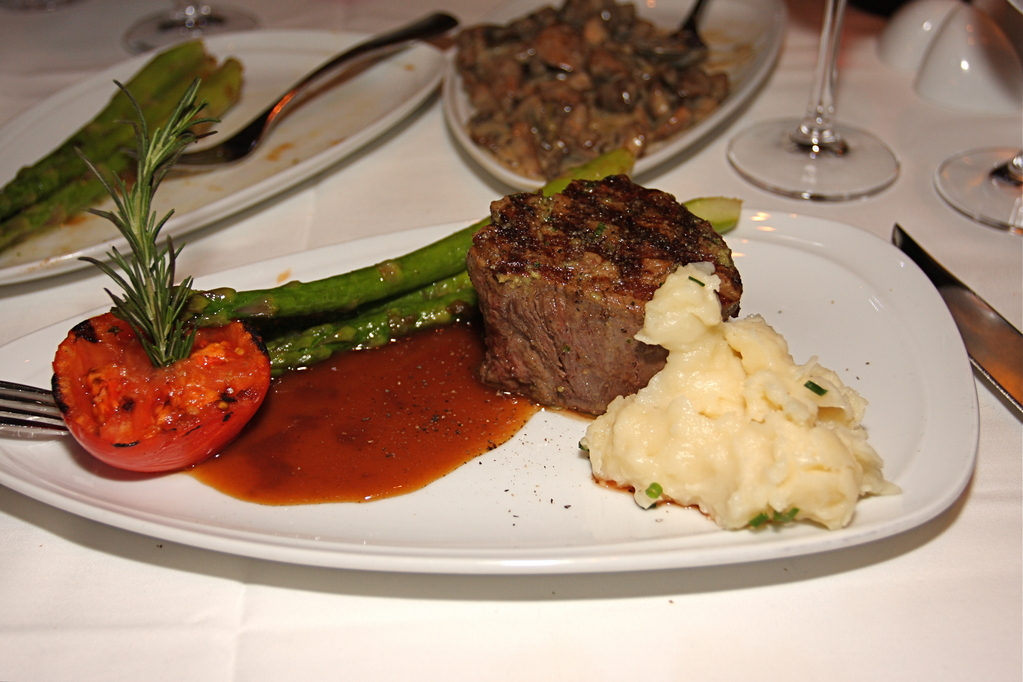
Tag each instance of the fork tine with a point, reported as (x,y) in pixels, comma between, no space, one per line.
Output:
(28,411)
(42,393)
(19,395)
(26,424)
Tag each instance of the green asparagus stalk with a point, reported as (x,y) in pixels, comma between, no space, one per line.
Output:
(105,134)
(346,292)
(435,305)
(722,213)
(220,91)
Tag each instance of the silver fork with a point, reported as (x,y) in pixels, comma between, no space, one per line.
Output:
(29,411)
(242,143)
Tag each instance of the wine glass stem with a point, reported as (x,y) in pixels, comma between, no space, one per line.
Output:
(815,132)
(195,14)
(1012,171)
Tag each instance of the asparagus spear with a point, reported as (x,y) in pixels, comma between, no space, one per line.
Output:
(75,195)
(436,305)
(348,291)
(105,134)
(721,212)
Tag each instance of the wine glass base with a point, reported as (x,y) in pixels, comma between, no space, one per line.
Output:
(966,183)
(160,30)
(766,156)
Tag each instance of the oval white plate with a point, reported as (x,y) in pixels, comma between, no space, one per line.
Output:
(531,506)
(744,36)
(310,139)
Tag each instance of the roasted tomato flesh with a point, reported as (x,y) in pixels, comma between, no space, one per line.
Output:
(133,416)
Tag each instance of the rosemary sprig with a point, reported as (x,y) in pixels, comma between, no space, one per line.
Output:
(151,304)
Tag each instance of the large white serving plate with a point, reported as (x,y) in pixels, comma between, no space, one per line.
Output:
(531,506)
(311,138)
(744,37)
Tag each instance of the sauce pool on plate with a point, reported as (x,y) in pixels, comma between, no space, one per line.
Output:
(369,424)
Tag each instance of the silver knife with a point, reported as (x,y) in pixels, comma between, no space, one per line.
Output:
(994,345)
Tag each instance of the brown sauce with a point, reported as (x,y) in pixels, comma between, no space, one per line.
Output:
(369,424)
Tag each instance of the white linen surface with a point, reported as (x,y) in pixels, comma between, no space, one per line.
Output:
(82,601)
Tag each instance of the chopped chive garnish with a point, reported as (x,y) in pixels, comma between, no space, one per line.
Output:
(601,227)
(654,490)
(787,516)
(698,281)
(759,520)
(762,518)
(583,446)
(815,388)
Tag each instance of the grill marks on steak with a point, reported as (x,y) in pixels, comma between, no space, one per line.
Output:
(563,283)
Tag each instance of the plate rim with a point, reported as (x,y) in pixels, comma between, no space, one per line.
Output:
(330,42)
(453,100)
(632,555)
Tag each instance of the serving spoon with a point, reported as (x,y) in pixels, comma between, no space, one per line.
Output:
(245,141)
(685,45)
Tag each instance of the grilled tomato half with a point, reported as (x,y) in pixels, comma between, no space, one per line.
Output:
(134,416)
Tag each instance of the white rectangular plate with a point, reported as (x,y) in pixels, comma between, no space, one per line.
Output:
(531,506)
(310,139)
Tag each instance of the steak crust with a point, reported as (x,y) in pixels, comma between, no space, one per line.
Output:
(563,283)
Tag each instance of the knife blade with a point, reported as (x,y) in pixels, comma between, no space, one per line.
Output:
(995,346)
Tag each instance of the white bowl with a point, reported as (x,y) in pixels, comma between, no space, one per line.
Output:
(971,65)
(909,32)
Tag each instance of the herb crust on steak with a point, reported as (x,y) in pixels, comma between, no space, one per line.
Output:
(563,283)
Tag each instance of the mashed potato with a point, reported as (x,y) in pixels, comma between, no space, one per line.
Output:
(732,424)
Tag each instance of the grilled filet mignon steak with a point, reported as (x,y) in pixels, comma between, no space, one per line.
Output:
(563,283)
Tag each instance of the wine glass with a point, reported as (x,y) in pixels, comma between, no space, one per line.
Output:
(185,20)
(816,158)
(986,185)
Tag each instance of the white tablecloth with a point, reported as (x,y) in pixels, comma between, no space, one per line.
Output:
(82,601)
